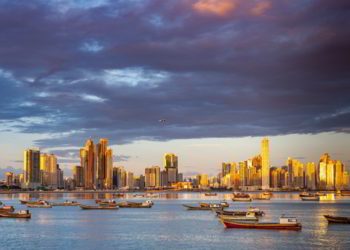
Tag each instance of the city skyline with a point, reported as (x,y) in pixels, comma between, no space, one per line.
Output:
(218,73)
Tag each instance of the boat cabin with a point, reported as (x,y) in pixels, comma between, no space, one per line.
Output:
(288,220)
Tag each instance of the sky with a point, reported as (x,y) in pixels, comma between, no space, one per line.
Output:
(221,73)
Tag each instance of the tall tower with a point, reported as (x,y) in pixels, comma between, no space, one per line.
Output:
(265,164)
(31,168)
(171,167)
(88,162)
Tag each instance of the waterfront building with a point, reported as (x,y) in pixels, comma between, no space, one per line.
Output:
(339,175)
(48,170)
(163,178)
(310,176)
(87,161)
(60,180)
(265,163)
(152,177)
(171,166)
(9,178)
(97,163)
(296,173)
(180,177)
(31,168)
(78,176)
(129,180)
(119,177)
(203,181)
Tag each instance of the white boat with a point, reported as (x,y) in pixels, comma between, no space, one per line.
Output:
(250,216)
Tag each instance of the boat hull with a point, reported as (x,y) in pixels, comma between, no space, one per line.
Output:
(317,198)
(197,208)
(237,218)
(242,199)
(337,219)
(15,216)
(268,226)
(38,206)
(98,207)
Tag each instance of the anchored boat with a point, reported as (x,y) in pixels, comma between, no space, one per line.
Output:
(7,209)
(285,223)
(66,204)
(310,198)
(250,216)
(22,214)
(129,204)
(254,210)
(337,219)
(210,194)
(241,197)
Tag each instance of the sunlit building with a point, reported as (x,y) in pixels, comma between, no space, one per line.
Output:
(152,177)
(78,176)
(31,168)
(171,166)
(88,162)
(48,170)
(310,176)
(203,181)
(265,163)
(9,178)
(339,175)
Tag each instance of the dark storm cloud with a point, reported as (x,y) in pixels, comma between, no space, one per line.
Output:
(113,69)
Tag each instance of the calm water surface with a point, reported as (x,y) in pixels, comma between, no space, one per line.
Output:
(169,226)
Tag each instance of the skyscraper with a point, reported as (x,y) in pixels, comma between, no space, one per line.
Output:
(48,170)
(78,176)
(265,164)
(87,161)
(152,176)
(31,168)
(171,166)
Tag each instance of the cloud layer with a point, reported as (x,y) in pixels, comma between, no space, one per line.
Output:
(210,68)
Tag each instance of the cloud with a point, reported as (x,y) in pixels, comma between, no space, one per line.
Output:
(260,8)
(217,7)
(115,68)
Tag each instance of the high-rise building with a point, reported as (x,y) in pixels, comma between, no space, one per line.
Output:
(97,162)
(171,166)
(203,181)
(265,164)
(78,176)
(9,178)
(88,163)
(152,177)
(310,176)
(31,168)
(339,175)
(130,180)
(60,180)
(48,170)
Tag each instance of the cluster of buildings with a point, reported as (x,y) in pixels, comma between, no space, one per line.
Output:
(96,172)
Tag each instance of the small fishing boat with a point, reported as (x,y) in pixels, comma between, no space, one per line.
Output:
(222,204)
(7,209)
(310,198)
(249,216)
(66,204)
(254,210)
(22,214)
(305,194)
(33,202)
(337,219)
(129,204)
(241,197)
(320,194)
(99,207)
(285,223)
(105,202)
(345,193)
(210,194)
(263,197)
(39,205)
(189,207)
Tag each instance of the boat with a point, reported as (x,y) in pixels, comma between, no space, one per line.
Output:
(129,204)
(263,197)
(249,216)
(337,219)
(66,204)
(254,210)
(105,202)
(222,204)
(7,209)
(310,198)
(345,193)
(189,207)
(119,195)
(210,194)
(102,207)
(241,197)
(33,202)
(320,194)
(267,193)
(139,195)
(285,223)
(39,205)
(305,194)
(22,214)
